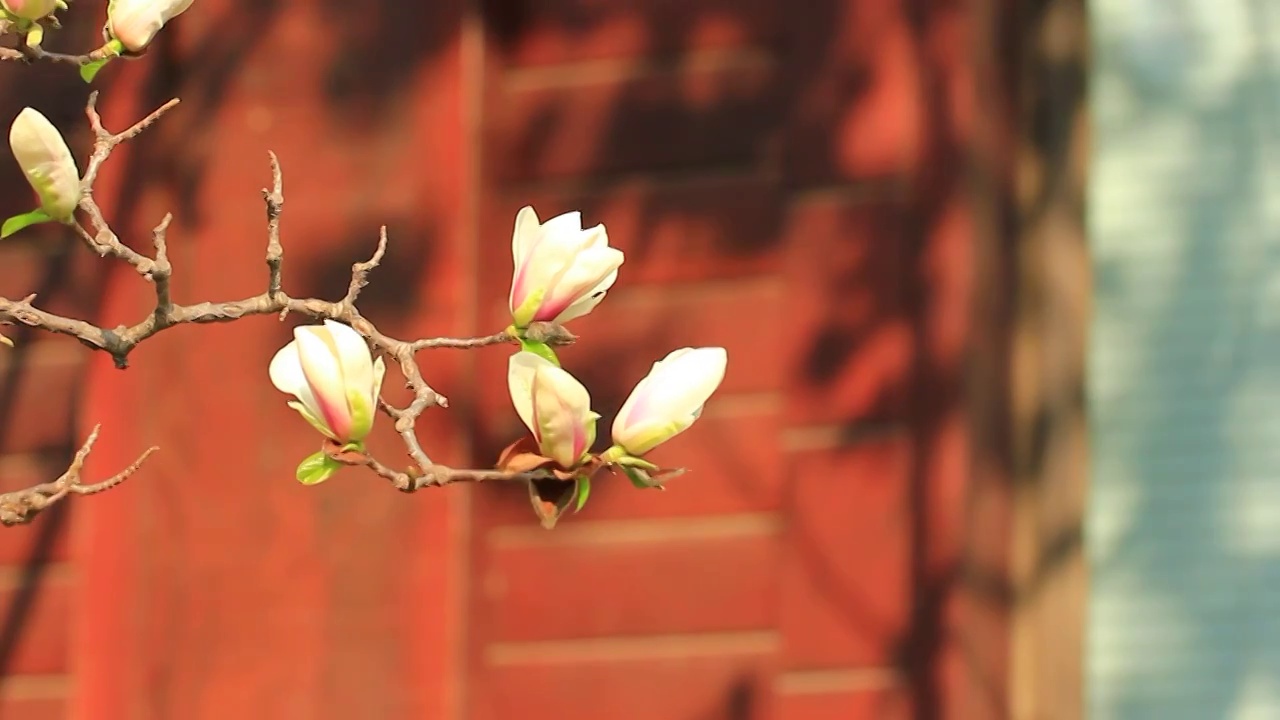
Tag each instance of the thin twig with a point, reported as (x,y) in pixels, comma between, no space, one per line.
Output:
(21,506)
(274,199)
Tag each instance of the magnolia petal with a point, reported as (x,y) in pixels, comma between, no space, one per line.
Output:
(595,236)
(636,398)
(526,234)
(563,228)
(361,414)
(379,370)
(136,22)
(588,301)
(592,270)
(640,439)
(521,369)
(670,398)
(582,307)
(312,419)
(286,374)
(561,409)
(685,380)
(45,159)
(590,437)
(353,356)
(324,375)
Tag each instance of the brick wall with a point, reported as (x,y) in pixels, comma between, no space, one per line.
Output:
(774,179)
(40,381)
(786,184)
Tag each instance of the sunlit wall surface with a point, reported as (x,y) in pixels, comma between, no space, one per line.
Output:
(1184,524)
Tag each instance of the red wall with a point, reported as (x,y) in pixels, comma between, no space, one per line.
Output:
(786,183)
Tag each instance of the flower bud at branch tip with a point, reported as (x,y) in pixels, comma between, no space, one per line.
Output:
(561,270)
(47,162)
(330,371)
(669,399)
(135,23)
(554,406)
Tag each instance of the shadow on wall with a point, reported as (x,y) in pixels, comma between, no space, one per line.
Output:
(787,116)
(740,87)
(48,262)
(1184,539)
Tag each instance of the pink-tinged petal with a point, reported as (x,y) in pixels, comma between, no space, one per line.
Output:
(521,369)
(136,22)
(286,374)
(563,408)
(670,398)
(525,236)
(686,379)
(524,242)
(593,270)
(310,417)
(588,302)
(352,352)
(636,403)
(324,376)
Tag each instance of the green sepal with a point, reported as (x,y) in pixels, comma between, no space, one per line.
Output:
(90,69)
(18,222)
(540,349)
(639,478)
(635,462)
(584,491)
(316,468)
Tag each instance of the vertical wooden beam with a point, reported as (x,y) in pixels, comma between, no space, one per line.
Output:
(1034,271)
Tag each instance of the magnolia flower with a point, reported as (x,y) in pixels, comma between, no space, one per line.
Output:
(554,406)
(46,161)
(561,270)
(667,401)
(135,22)
(329,369)
(29,9)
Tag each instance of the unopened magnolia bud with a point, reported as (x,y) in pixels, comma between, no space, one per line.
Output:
(29,9)
(554,406)
(669,399)
(135,22)
(335,379)
(561,270)
(46,161)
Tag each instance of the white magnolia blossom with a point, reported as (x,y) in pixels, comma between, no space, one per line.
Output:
(331,373)
(667,401)
(554,406)
(135,22)
(47,162)
(561,270)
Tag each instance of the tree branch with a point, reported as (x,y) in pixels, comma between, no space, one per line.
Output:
(21,506)
(120,341)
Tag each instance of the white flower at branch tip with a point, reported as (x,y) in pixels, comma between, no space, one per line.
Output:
(554,406)
(561,270)
(135,22)
(669,399)
(330,371)
(47,162)
(29,9)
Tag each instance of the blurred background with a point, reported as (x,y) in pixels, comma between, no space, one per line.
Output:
(878,207)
